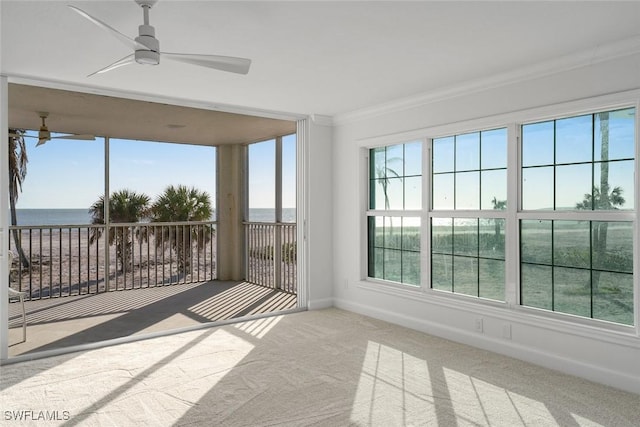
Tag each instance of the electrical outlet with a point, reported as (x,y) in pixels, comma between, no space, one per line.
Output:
(479,324)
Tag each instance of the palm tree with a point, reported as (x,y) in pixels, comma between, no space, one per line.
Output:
(182,204)
(498,205)
(384,173)
(601,198)
(17,173)
(125,206)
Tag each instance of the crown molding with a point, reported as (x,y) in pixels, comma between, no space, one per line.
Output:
(585,58)
(322,120)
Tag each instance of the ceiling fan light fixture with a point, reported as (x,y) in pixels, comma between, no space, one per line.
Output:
(147,57)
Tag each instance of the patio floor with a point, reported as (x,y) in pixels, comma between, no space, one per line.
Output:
(63,322)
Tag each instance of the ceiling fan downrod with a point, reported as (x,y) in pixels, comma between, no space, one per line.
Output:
(147,38)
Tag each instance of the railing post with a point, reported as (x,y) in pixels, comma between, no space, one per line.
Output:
(107,219)
(277,255)
(277,227)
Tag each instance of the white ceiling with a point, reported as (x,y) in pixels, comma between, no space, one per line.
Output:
(326,58)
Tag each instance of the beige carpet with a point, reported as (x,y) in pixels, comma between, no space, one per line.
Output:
(325,368)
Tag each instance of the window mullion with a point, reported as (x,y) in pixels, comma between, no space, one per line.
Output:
(425,218)
(636,236)
(512,234)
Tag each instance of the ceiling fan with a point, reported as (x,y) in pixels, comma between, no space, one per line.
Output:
(146,47)
(44,134)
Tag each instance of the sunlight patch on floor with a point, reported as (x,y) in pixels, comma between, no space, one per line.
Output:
(584,422)
(228,303)
(392,384)
(525,407)
(260,327)
(75,374)
(475,399)
(199,368)
(136,382)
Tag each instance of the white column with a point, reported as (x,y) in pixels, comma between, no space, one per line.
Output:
(230,212)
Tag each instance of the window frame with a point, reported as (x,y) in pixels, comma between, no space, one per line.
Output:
(467,213)
(628,215)
(402,213)
(512,121)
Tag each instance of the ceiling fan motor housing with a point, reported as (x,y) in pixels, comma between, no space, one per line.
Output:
(147,38)
(44,133)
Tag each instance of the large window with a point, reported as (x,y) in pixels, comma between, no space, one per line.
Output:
(469,173)
(541,214)
(576,247)
(395,203)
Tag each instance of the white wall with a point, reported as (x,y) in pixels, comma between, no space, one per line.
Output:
(583,349)
(319,220)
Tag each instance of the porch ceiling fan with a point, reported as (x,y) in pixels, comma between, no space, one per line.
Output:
(146,47)
(44,134)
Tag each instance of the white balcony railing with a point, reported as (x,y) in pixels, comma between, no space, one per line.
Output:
(272,255)
(55,261)
(65,260)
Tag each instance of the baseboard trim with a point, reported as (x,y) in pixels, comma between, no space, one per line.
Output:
(319,304)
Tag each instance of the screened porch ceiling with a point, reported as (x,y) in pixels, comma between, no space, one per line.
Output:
(85,113)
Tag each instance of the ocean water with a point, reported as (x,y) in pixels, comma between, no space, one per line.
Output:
(82,216)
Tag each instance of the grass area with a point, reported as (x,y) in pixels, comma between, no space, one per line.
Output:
(560,271)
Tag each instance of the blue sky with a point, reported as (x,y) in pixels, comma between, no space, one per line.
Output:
(262,173)
(569,143)
(70,174)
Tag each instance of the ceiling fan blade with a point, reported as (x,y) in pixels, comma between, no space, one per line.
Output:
(119,63)
(15,135)
(223,63)
(127,41)
(73,136)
